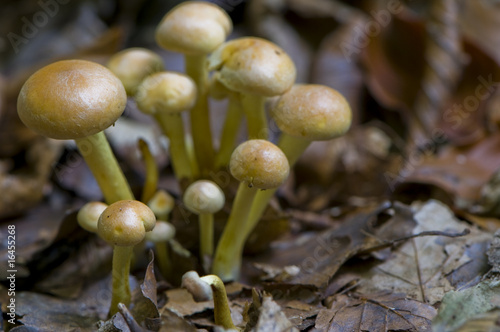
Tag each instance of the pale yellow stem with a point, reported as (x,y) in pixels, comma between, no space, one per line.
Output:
(196,68)
(254,108)
(163,259)
(100,159)
(293,148)
(222,313)
(173,128)
(227,261)
(120,275)
(232,124)
(206,234)
(151,182)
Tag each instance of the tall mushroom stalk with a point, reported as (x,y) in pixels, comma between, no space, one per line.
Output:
(306,113)
(258,165)
(195,29)
(78,99)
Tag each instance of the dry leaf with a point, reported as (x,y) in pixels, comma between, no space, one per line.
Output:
(423,267)
(376,312)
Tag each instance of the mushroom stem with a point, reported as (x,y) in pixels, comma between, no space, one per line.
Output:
(227,261)
(163,259)
(293,148)
(232,124)
(100,159)
(120,279)
(196,68)
(222,313)
(254,108)
(206,221)
(151,181)
(173,128)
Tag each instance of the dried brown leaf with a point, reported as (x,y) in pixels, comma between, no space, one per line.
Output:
(376,312)
(480,21)
(26,184)
(425,268)
(462,172)
(144,308)
(320,256)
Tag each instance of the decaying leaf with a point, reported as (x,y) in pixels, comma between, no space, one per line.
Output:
(144,308)
(460,305)
(425,268)
(376,312)
(462,172)
(264,315)
(26,185)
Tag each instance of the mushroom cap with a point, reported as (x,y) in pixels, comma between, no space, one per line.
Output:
(259,163)
(162,203)
(204,196)
(167,92)
(132,65)
(194,28)
(88,216)
(71,99)
(125,223)
(199,289)
(311,111)
(253,66)
(162,232)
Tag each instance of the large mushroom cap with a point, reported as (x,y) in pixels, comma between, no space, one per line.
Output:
(204,196)
(259,163)
(194,28)
(253,66)
(167,92)
(314,112)
(71,99)
(125,223)
(132,65)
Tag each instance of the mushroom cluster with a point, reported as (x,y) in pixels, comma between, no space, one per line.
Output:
(79,99)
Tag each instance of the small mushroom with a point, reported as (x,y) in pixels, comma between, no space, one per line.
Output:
(124,224)
(306,113)
(204,198)
(210,287)
(88,215)
(195,29)
(256,69)
(257,164)
(78,99)
(133,65)
(165,95)
(162,203)
(160,235)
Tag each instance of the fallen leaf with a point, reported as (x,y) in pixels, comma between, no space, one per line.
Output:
(376,312)
(144,305)
(461,305)
(409,269)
